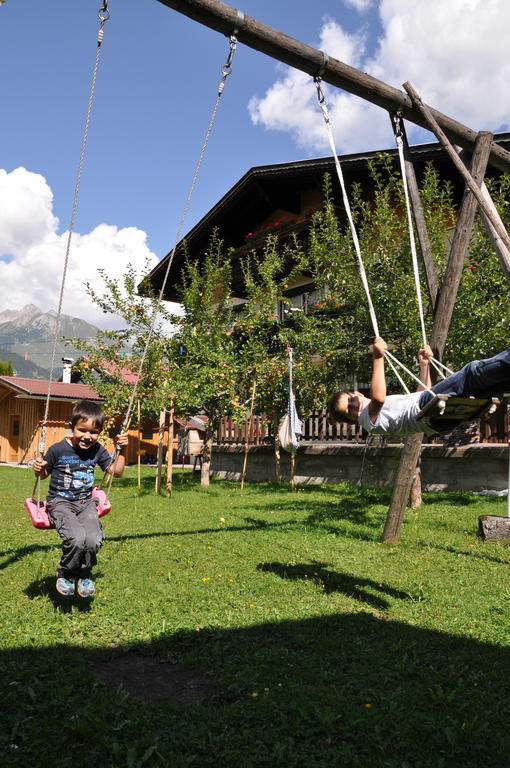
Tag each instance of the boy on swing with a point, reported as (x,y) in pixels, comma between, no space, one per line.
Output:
(396,414)
(70,505)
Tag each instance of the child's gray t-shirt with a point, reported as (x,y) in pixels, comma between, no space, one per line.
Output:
(397,417)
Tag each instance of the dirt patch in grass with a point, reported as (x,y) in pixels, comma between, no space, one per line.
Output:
(153,679)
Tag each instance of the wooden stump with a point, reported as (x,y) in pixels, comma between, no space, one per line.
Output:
(494,527)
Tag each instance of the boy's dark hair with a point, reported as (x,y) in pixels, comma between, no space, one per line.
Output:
(88,409)
(335,416)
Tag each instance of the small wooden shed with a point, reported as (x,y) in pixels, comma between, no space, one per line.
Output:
(22,405)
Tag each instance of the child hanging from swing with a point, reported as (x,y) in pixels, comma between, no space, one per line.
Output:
(70,505)
(396,414)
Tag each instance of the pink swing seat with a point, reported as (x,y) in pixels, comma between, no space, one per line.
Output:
(39,516)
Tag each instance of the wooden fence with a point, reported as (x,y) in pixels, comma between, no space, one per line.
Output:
(258,431)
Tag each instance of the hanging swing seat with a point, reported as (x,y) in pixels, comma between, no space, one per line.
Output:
(452,408)
(39,515)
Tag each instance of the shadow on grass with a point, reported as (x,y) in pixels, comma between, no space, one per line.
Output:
(339,690)
(188,481)
(455,498)
(328,581)
(45,587)
(351,504)
(478,555)
(13,555)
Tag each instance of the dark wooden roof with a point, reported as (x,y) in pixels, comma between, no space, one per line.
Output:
(265,189)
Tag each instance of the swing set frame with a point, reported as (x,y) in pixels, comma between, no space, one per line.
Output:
(449,132)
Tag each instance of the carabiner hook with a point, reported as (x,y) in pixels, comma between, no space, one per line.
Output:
(320,95)
(397,119)
(103,13)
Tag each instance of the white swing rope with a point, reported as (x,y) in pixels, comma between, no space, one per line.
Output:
(397,119)
(103,15)
(392,360)
(226,71)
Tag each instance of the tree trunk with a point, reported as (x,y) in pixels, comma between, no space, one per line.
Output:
(161,438)
(277,455)
(205,469)
(170,452)
(249,431)
(416,499)
(292,470)
(139,442)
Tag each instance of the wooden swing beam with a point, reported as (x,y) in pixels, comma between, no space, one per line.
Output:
(225,19)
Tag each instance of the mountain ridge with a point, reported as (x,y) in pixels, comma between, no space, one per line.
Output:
(27,336)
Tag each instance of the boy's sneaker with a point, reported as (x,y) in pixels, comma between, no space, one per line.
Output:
(65,586)
(86,588)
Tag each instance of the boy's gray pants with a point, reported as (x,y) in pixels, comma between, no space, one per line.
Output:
(81,532)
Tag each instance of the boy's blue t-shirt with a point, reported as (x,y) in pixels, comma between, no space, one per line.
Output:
(72,470)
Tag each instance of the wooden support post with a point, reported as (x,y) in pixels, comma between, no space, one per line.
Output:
(459,248)
(419,217)
(225,19)
(170,451)
(161,437)
(405,473)
(503,253)
(249,429)
(444,311)
(495,221)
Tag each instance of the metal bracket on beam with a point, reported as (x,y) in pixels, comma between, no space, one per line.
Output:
(324,64)
(239,23)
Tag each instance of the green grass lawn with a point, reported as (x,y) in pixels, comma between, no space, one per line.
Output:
(308,642)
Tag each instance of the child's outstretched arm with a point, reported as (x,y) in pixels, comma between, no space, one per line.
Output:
(424,355)
(117,466)
(378,380)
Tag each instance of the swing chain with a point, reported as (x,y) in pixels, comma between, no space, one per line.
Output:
(227,67)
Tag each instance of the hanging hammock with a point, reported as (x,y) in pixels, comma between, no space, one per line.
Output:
(290,430)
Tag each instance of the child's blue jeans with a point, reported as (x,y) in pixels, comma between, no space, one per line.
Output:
(480,378)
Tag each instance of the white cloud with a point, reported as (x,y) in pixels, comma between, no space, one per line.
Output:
(33,272)
(359,5)
(291,103)
(454,53)
(25,210)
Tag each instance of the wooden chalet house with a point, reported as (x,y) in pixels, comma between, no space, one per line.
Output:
(280,199)
(22,405)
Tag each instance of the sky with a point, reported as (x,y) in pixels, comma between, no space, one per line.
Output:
(156,86)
